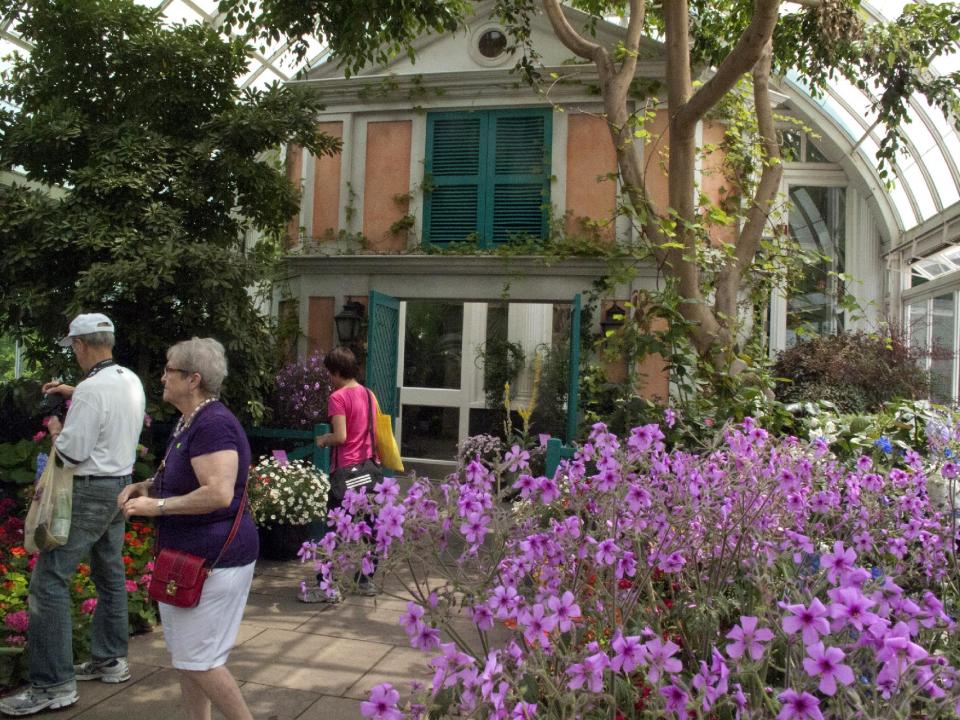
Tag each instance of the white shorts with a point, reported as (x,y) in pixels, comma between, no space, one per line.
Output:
(201,637)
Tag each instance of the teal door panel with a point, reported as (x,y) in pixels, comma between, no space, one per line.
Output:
(573,389)
(383,331)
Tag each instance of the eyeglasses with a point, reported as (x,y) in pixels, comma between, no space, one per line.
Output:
(167,370)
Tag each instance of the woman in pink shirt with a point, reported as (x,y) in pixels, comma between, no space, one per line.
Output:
(349,407)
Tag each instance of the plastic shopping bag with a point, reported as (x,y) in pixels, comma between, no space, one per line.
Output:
(48,521)
(387,444)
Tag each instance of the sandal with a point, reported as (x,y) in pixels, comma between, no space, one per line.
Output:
(316,595)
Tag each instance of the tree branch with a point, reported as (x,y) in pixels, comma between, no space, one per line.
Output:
(631,43)
(741,59)
(573,40)
(745,250)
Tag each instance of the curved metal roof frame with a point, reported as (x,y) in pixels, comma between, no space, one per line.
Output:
(926,174)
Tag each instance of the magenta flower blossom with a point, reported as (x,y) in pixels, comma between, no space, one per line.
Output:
(629,653)
(606,552)
(827,664)
(747,638)
(672,563)
(798,706)
(537,625)
(410,620)
(382,704)
(504,601)
(659,658)
(838,562)
(566,610)
(426,638)
(811,621)
(850,607)
(517,459)
(589,673)
(676,700)
(19,621)
(475,528)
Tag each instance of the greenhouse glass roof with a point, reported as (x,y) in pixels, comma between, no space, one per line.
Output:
(926,174)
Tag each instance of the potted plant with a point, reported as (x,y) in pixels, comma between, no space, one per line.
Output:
(285,498)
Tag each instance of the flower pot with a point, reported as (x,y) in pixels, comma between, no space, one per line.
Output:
(282,542)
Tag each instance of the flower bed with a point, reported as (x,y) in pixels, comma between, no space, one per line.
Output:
(15,567)
(762,579)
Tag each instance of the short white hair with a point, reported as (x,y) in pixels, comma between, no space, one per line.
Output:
(204,356)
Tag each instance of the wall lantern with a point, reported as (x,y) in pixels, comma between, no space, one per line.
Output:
(349,322)
(613,319)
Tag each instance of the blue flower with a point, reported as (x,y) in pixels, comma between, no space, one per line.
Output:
(41,464)
(876,572)
(948,452)
(884,444)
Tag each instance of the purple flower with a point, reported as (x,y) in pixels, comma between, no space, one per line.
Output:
(566,609)
(426,638)
(811,621)
(837,563)
(747,638)
(660,658)
(798,706)
(676,699)
(517,459)
(827,664)
(410,620)
(382,704)
(475,528)
(673,563)
(629,653)
(606,552)
(504,601)
(589,672)
(538,625)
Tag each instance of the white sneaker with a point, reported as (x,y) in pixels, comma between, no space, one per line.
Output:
(33,700)
(116,670)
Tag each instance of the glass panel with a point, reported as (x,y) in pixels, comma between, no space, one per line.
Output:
(432,340)
(790,145)
(429,432)
(917,324)
(813,152)
(944,347)
(817,222)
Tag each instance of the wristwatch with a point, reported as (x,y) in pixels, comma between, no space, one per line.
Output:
(162,505)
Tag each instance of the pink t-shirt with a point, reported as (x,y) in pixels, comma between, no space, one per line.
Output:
(352,403)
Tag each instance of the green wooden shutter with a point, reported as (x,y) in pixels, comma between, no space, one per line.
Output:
(519,172)
(488,175)
(452,207)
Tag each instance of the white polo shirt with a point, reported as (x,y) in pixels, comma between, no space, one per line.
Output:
(102,427)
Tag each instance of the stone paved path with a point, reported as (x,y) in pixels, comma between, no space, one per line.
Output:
(292,661)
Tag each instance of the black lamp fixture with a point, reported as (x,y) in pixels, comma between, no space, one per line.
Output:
(349,322)
(613,319)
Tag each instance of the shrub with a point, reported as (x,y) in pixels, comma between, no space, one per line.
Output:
(300,393)
(762,579)
(857,371)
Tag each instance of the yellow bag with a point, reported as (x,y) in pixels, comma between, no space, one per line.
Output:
(387,444)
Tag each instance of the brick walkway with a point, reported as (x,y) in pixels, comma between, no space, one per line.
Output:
(309,662)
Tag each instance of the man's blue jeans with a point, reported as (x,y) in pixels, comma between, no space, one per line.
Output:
(96,529)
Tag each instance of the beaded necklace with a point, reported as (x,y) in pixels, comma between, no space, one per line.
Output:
(184,423)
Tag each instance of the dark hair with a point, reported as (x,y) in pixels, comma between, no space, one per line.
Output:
(341,361)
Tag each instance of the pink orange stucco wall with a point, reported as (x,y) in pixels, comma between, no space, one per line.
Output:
(386,183)
(591,157)
(320,327)
(713,183)
(326,187)
(294,164)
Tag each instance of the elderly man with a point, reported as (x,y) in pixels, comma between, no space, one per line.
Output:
(99,438)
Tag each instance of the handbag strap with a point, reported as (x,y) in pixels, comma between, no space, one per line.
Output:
(236,520)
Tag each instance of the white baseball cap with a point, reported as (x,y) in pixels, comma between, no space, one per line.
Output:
(86,324)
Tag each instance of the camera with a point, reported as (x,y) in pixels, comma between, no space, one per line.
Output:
(53,404)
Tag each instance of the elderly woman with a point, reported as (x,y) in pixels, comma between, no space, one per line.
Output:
(195,499)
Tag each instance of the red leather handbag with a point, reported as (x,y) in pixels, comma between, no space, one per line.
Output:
(177,578)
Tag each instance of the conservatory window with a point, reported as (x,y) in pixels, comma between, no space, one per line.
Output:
(818,223)
(931,324)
